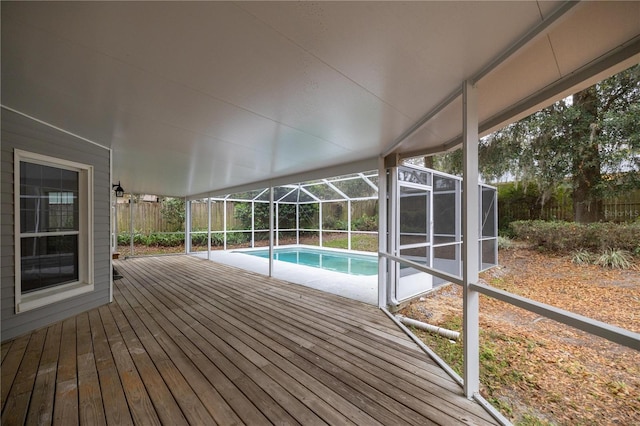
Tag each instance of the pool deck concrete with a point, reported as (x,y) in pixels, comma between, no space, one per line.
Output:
(361,288)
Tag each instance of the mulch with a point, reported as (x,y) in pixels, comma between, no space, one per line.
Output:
(564,376)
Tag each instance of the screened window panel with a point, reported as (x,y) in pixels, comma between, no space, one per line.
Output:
(444,183)
(324,192)
(444,214)
(305,198)
(417,254)
(421,177)
(249,195)
(414,216)
(488,254)
(48,261)
(489,212)
(355,188)
(447,259)
(286,216)
(309,216)
(291,197)
(48,199)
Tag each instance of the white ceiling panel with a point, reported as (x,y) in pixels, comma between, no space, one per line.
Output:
(194,97)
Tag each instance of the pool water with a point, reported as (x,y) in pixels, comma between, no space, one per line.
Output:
(344,262)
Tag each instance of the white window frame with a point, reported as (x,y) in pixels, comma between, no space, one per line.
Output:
(85,282)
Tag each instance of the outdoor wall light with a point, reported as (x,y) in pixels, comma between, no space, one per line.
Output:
(118,190)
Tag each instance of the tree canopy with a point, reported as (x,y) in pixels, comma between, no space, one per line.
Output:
(589,141)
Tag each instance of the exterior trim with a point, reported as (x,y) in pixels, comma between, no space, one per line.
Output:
(86,279)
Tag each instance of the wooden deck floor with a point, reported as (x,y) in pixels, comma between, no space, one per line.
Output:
(188,341)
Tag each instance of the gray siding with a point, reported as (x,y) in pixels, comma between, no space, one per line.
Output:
(20,132)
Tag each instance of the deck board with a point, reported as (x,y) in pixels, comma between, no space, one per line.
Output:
(188,341)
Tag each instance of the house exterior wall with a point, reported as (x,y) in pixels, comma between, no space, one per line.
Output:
(20,132)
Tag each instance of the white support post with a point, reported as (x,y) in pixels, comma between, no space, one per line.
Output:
(458,214)
(349,224)
(393,243)
(114,234)
(271,226)
(187,227)
(276,224)
(224,225)
(382,233)
(131,224)
(320,222)
(298,219)
(253,223)
(470,205)
(209,228)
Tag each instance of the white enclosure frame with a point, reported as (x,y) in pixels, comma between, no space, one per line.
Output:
(303,194)
(471,288)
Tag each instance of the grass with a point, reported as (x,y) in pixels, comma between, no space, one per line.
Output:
(358,242)
(496,370)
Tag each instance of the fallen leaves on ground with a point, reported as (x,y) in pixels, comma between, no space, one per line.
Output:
(546,370)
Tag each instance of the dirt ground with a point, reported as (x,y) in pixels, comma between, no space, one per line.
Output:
(538,371)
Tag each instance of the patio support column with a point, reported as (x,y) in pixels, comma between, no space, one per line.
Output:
(349,224)
(209,228)
(253,222)
(382,233)
(187,226)
(114,233)
(470,203)
(271,226)
(320,222)
(131,224)
(276,224)
(298,219)
(224,225)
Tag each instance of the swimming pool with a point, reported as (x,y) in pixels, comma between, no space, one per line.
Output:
(344,262)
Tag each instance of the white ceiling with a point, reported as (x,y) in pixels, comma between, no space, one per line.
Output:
(205,96)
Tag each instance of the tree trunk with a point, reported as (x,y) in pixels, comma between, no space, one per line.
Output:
(428,162)
(587,203)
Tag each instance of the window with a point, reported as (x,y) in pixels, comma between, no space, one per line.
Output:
(54,250)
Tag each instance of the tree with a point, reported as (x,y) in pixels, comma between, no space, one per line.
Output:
(590,140)
(173,212)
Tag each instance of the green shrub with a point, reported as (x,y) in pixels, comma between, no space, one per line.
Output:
(614,258)
(582,257)
(199,239)
(217,240)
(504,243)
(567,237)
(236,238)
(365,223)
(159,239)
(334,224)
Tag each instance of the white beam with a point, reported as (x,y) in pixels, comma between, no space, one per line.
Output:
(208,228)
(338,170)
(531,35)
(271,226)
(382,233)
(187,227)
(470,225)
(131,224)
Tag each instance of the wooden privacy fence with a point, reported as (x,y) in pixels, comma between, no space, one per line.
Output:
(148,217)
(623,209)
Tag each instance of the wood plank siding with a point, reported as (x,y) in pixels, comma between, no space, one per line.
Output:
(188,341)
(23,133)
